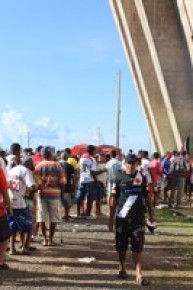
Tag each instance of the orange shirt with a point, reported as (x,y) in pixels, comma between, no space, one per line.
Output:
(37,158)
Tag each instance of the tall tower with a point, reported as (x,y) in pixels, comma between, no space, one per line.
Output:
(157,37)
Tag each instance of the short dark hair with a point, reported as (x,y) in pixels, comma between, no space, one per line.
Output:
(46,152)
(156,155)
(145,153)
(113,153)
(67,151)
(90,149)
(14,148)
(39,148)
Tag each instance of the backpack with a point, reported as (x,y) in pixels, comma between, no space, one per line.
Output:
(179,166)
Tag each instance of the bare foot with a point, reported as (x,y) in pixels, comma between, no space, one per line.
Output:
(45,243)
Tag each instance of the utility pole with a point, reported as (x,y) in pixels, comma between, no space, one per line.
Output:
(118,110)
(28,139)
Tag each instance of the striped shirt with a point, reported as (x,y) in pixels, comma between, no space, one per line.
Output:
(52,177)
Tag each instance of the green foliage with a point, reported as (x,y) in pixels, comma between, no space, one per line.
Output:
(167,215)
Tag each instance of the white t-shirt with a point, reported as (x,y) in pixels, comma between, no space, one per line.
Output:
(19,178)
(11,159)
(3,166)
(101,176)
(87,164)
(145,169)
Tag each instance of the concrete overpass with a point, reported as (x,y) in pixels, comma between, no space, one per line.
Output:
(157,37)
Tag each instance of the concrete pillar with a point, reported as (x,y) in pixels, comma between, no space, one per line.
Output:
(158,49)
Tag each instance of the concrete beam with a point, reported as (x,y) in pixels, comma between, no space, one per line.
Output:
(126,38)
(155,44)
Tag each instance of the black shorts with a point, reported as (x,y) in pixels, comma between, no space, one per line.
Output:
(5,232)
(124,232)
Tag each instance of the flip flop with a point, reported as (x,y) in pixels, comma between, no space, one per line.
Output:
(142,282)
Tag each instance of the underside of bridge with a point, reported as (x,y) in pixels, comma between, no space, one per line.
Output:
(157,37)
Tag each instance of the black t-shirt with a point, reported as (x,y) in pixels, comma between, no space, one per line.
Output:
(69,172)
(133,187)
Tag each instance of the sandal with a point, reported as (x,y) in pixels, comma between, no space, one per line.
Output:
(4,266)
(142,282)
(122,274)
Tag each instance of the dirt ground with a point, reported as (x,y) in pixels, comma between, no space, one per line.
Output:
(167,259)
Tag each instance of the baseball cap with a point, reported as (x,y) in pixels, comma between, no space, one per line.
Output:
(131,158)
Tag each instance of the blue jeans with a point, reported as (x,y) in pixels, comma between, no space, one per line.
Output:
(87,190)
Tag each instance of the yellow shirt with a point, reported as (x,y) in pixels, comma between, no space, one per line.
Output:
(72,161)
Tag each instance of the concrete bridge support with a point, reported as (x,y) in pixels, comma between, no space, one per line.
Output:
(157,36)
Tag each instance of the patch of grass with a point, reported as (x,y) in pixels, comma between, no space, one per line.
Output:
(166,215)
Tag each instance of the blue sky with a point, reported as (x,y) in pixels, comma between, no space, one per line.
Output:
(59,64)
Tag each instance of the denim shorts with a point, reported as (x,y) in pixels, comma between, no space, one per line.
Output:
(100,191)
(87,190)
(22,220)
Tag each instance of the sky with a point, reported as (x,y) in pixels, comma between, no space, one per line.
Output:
(59,65)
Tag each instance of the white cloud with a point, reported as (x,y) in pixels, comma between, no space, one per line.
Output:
(45,131)
(15,128)
(14,123)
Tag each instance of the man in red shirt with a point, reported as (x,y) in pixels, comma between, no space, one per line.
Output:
(156,171)
(37,157)
(4,226)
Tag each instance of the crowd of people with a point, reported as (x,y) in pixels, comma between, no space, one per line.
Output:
(34,185)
